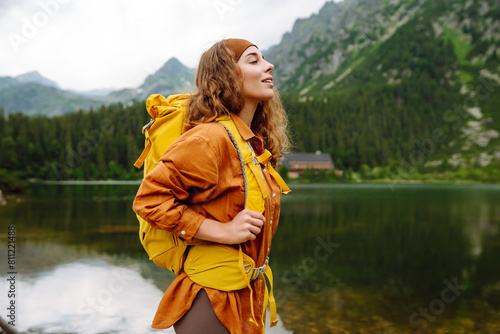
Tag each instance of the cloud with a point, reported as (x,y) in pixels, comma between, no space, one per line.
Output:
(115,43)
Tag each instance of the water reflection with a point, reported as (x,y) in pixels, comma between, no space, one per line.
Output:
(396,248)
(91,296)
(346,258)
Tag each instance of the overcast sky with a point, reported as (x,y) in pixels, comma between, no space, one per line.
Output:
(90,44)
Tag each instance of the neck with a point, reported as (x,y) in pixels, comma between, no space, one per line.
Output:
(246,114)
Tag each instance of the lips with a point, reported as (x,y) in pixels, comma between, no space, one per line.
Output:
(268,80)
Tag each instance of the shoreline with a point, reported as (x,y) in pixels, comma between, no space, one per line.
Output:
(399,181)
(290,182)
(89,182)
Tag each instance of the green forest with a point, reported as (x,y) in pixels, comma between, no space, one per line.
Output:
(371,134)
(86,145)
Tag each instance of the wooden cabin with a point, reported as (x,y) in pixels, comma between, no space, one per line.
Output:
(298,162)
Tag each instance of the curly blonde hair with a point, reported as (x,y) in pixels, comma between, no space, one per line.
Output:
(220,91)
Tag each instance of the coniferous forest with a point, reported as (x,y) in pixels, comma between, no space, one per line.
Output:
(369,130)
(86,145)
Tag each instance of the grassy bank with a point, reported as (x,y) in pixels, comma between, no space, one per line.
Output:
(392,175)
(11,183)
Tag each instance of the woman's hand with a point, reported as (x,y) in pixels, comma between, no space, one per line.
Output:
(245,226)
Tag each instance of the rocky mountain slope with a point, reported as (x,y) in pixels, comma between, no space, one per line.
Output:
(418,66)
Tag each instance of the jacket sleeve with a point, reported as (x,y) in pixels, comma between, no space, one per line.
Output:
(189,166)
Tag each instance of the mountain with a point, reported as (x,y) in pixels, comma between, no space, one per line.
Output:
(6,82)
(33,94)
(35,99)
(380,82)
(36,77)
(30,77)
(323,50)
(335,40)
(173,77)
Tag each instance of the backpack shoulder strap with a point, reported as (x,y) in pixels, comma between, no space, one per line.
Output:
(265,159)
(255,186)
(250,164)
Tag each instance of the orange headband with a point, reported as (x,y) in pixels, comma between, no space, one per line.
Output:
(238,46)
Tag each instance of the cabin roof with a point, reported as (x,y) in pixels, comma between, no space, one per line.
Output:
(303,157)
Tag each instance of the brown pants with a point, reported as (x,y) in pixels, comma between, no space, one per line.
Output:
(200,318)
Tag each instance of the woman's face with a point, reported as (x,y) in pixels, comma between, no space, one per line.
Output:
(257,80)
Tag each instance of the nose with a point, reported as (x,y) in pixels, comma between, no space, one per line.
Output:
(270,67)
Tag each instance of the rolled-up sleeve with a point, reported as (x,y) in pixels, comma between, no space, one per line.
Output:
(165,197)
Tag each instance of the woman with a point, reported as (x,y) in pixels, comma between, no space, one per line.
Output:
(197,190)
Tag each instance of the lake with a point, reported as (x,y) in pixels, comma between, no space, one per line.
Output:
(347,258)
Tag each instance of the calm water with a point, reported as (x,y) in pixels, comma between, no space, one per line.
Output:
(346,259)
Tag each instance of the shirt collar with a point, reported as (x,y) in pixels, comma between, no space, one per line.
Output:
(245,132)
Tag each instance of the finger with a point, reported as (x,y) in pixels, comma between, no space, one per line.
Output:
(256,215)
(248,235)
(254,229)
(256,222)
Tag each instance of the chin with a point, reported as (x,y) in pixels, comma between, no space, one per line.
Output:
(263,97)
(268,96)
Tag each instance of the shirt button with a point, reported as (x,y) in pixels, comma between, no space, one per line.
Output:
(265,170)
(183,232)
(274,195)
(271,221)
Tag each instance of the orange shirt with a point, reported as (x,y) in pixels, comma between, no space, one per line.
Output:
(198,177)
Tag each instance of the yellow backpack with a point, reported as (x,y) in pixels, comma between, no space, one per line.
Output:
(221,267)
(166,125)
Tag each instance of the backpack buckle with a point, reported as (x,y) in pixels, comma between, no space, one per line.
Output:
(147,126)
(256,271)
